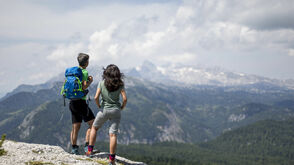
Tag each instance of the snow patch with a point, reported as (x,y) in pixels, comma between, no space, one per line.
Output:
(236,118)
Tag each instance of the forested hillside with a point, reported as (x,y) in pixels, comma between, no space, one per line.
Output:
(267,142)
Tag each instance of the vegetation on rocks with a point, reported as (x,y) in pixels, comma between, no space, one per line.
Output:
(2,151)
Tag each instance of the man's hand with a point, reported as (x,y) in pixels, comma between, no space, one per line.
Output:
(90,79)
(86,84)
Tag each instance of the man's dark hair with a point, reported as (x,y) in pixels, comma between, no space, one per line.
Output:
(83,59)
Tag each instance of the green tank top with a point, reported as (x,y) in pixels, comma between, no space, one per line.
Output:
(110,100)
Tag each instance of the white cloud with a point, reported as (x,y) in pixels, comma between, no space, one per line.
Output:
(31,20)
(63,52)
(183,58)
(101,44)
(22,60)
(266,14)
(218,32)
(291,52)
(40,76)
(152,40)
(185,13)
(113,50)
(191,32)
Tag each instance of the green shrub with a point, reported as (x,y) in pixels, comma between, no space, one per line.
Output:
(2,151)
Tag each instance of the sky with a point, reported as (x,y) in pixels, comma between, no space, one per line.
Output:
(40,38)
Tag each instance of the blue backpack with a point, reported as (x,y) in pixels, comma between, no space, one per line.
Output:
(72,87)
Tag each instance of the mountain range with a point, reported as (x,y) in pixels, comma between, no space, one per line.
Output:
(183,75)
(178,75)
(170,103)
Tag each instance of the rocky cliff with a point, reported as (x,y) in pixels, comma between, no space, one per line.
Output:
(40,154)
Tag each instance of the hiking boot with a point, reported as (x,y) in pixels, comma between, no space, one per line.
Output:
(89,154)
(86,149)
(75,150)
(111,163)
(112,159)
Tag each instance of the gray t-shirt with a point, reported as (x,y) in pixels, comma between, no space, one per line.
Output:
(110,100)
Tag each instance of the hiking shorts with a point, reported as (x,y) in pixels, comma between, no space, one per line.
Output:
(80,111)
(113,115)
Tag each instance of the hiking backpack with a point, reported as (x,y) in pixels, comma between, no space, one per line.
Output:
(72,87)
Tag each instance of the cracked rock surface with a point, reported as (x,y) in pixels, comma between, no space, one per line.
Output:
(26,154)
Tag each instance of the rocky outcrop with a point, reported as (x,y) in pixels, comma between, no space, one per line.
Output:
(25,153)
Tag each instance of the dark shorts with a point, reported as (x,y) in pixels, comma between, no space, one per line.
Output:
(80,111)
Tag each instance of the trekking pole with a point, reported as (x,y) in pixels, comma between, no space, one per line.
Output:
(89,99)
(63,100)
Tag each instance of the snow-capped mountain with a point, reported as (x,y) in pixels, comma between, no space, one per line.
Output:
(193,75)
(166,113)
(176,75)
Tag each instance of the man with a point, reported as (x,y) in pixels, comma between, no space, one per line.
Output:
(79,107)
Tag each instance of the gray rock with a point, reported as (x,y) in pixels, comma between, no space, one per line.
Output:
(22,153)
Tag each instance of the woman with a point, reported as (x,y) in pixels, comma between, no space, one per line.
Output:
(110,88)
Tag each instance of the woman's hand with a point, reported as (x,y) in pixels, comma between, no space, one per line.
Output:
(124,96)
(97,97)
